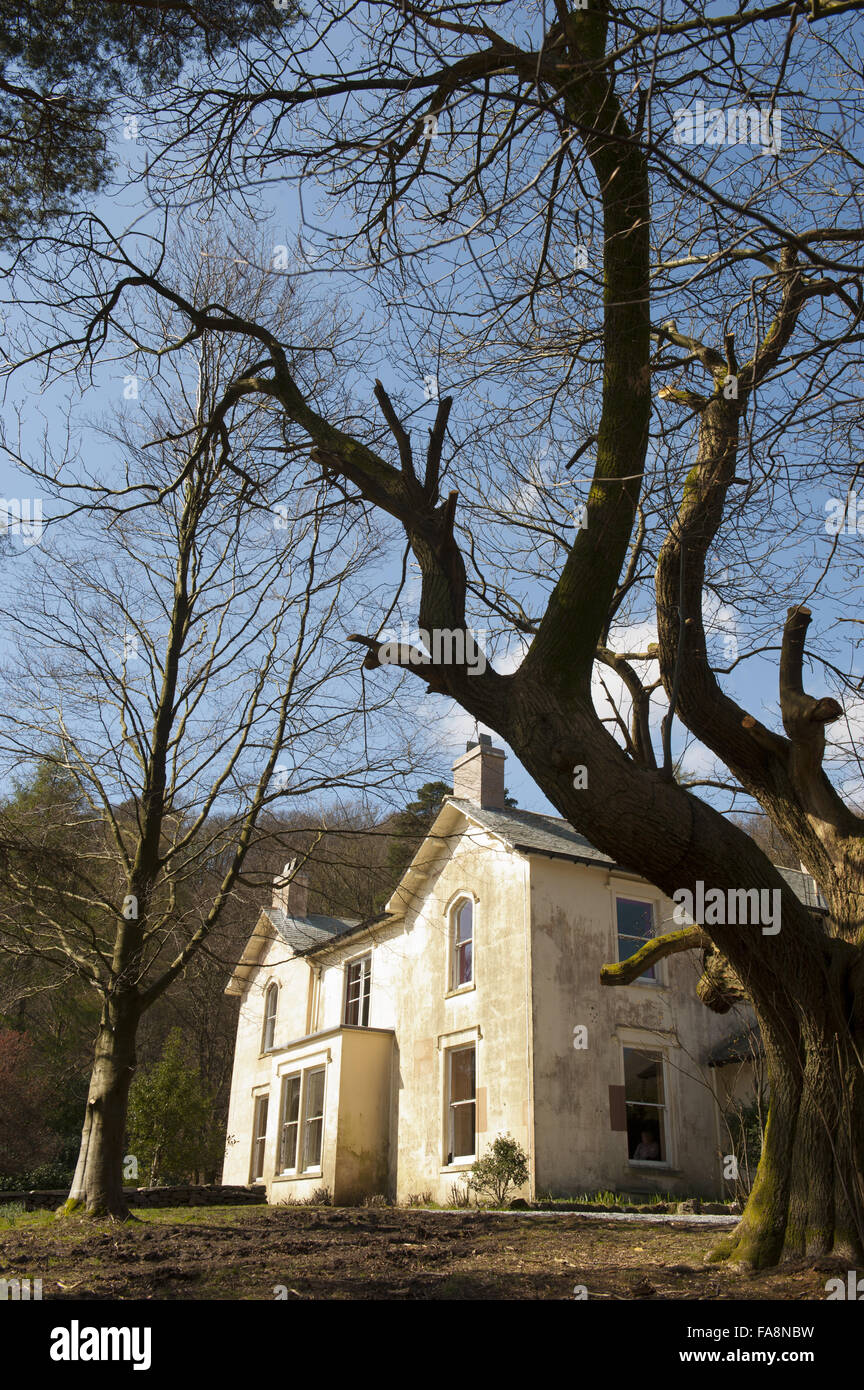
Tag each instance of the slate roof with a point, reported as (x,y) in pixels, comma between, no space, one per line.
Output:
(536,834)
(805,887)
(533,833)
(302,933)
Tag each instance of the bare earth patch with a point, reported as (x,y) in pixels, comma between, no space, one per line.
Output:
(383,1253)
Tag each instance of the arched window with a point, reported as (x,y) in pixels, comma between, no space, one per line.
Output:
(271,999)
(462,943)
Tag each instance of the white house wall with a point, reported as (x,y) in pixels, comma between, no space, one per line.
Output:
(254,1070)
(533,984)
(410,994)
(574,933)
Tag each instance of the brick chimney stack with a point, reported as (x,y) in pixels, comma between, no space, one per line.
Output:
(478,775)
(291,890)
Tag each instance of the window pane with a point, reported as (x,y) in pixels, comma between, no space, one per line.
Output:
(313,1112)
(261,1105)
(315,1094)
(643,1076)
(288,1158)
(312,1148)
(462,1074)
(463,1131)
(465,921)
(646,1137)
(292,1107)
(351,996)
(269,1018)
(635,927)
(635,918)
(645,1098)
(290,1123)
(465,963)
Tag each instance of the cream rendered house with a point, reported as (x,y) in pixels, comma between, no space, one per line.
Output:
(383,1057)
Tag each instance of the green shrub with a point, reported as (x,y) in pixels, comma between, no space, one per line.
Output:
(47,1175)
(503,1167)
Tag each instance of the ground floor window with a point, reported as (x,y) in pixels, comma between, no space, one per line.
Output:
(259,1137)
(645,1098)
(290,1124)
(313,1118)
(461,1104)
(301,1128)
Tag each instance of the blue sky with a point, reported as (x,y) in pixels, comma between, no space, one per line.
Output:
(754,682)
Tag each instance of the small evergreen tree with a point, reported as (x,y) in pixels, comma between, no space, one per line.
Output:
(171,1125)
(409,827)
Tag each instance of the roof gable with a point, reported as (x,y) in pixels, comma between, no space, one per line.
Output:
(300,934)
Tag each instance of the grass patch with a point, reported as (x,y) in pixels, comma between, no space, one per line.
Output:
(13,1217)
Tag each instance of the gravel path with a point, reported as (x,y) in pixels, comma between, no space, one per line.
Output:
(663,1219)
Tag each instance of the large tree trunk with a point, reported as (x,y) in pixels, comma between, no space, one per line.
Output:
(808,1196)
(806,987)
(98,1181)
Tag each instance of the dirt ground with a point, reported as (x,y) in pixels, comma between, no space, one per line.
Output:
(386,1253)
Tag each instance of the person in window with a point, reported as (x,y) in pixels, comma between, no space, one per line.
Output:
(648,1146)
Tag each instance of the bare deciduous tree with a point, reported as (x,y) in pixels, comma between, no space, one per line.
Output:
(184,664)
(568,244)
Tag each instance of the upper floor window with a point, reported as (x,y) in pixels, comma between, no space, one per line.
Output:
(358,984)
(462,944)
(635,920)
(270,1004)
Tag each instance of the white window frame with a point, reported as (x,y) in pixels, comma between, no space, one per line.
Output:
(365,995)
(259,1138)
(453,984)
(303,1074)
(621,895)
(306,1119)
(451,1158)
(289,1076)
(269,1028)
(653,1052)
